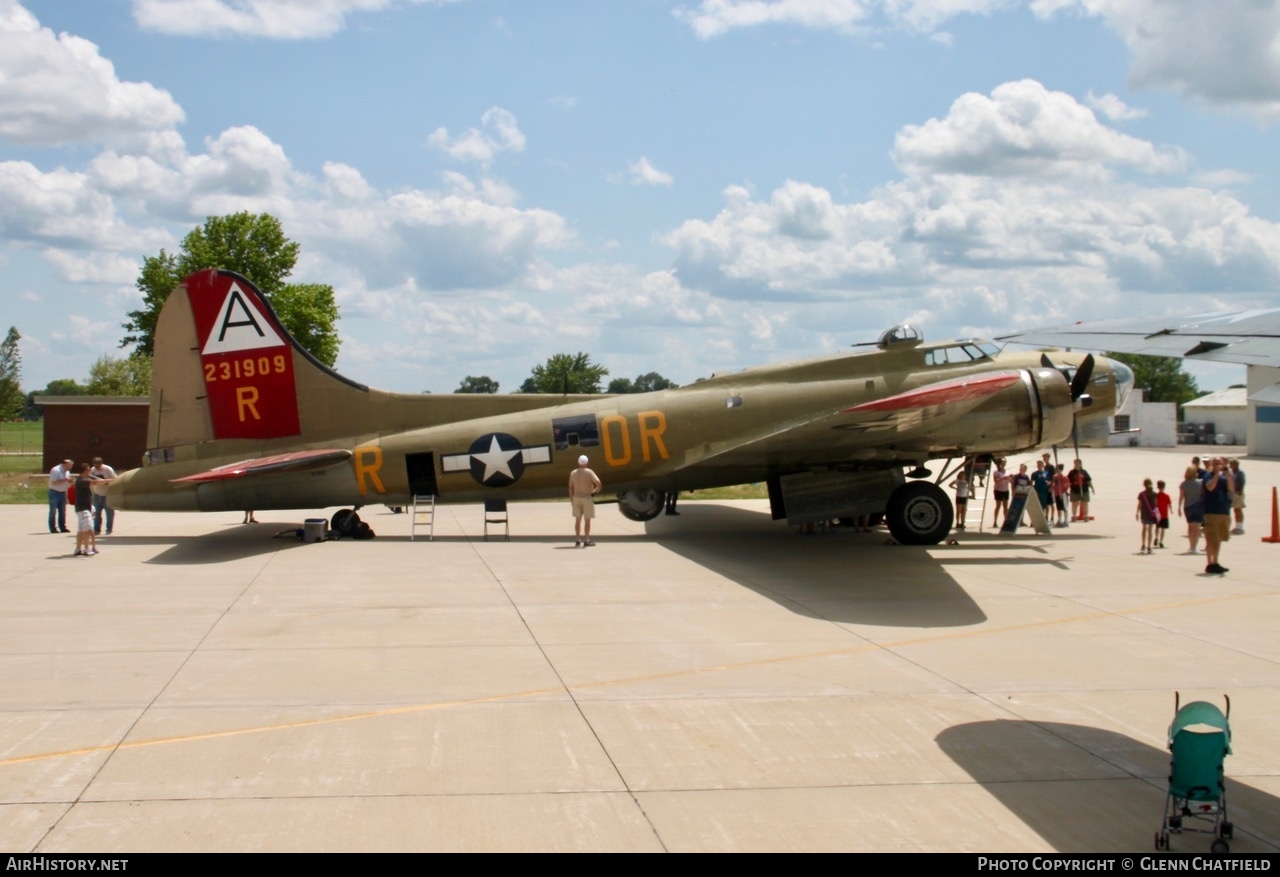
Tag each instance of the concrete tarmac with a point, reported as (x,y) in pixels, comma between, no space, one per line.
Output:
(708,682)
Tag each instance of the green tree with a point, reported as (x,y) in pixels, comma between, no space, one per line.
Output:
(477,384)
(1161,377)
(11,376)
(645,383)
(565,373)
(309,312)
(126,376)
(59,387)
(252,244)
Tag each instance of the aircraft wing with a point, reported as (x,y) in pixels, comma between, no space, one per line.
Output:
(296,461)
(1246,337)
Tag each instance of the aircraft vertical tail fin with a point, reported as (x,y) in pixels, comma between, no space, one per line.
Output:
(224,367)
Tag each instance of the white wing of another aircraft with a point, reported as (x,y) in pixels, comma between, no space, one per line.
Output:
(1246,337)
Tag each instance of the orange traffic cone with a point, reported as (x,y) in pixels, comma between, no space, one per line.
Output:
(1275,520)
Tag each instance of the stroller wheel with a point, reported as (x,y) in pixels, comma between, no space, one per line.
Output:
(1162,841)
(1219,847)
(1175,823)
(1228,829)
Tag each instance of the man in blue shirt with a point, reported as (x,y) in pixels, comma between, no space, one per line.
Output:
(1217,512)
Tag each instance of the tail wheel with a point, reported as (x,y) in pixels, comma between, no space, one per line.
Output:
(641,505)
(919,513)
(344,521)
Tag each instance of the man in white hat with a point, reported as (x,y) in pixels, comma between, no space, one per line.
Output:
(583,485)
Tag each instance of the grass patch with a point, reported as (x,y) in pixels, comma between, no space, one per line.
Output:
(22,437)
(21,480)
(737,491)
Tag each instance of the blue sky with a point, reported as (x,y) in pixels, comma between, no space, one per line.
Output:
(682,187)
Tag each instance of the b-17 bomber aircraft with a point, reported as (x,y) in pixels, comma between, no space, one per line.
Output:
(242,417)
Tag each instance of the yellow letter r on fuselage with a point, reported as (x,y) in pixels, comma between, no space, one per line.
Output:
(368,463)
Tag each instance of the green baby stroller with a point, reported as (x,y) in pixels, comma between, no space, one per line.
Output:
(1199,742)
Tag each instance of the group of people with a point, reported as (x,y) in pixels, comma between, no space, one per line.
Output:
(87,483)
(1208,497)
(1053,484)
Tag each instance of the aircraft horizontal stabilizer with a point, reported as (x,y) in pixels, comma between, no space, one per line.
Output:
(297,461)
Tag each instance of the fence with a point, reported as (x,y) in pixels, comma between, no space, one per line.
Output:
(22,437)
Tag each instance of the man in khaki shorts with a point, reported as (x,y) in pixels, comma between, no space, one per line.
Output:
(1217,513)
(583,485)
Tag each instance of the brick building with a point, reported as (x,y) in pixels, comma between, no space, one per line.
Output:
(83,427)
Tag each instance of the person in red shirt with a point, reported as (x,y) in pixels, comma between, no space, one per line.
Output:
(1061,486)
(1164,502)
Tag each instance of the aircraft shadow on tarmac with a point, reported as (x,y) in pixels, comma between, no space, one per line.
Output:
(838,575)
(1058,779)
(230,543)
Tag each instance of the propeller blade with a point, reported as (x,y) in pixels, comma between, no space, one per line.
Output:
(1081,381)
(1046,361)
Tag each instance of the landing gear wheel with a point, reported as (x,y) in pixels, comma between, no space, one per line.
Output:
(641,505)
(919,513)
(344,521)
(1219,847)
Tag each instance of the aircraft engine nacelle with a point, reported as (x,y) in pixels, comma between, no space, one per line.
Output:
(1030,413)
(1057,411)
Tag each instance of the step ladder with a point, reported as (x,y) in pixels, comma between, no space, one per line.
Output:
(424,515)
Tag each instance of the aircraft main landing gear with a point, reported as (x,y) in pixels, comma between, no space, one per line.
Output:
(641,505)
(919,513)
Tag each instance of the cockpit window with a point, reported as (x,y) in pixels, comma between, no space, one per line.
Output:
(959,354)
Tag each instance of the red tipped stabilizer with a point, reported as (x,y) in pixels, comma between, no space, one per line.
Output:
(1275,520)
(297,461)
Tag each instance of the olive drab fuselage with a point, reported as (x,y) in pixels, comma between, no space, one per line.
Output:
(242,417)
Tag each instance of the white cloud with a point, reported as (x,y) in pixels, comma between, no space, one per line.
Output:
(83,331)
(643,173)
(1223,55)
(1113,107)
(1023,128)
(108,268)
(1222,178)
(272,19)
(59,89)
(1007,210)
(712,18)
(469,234)
(60,208)
(498,132)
